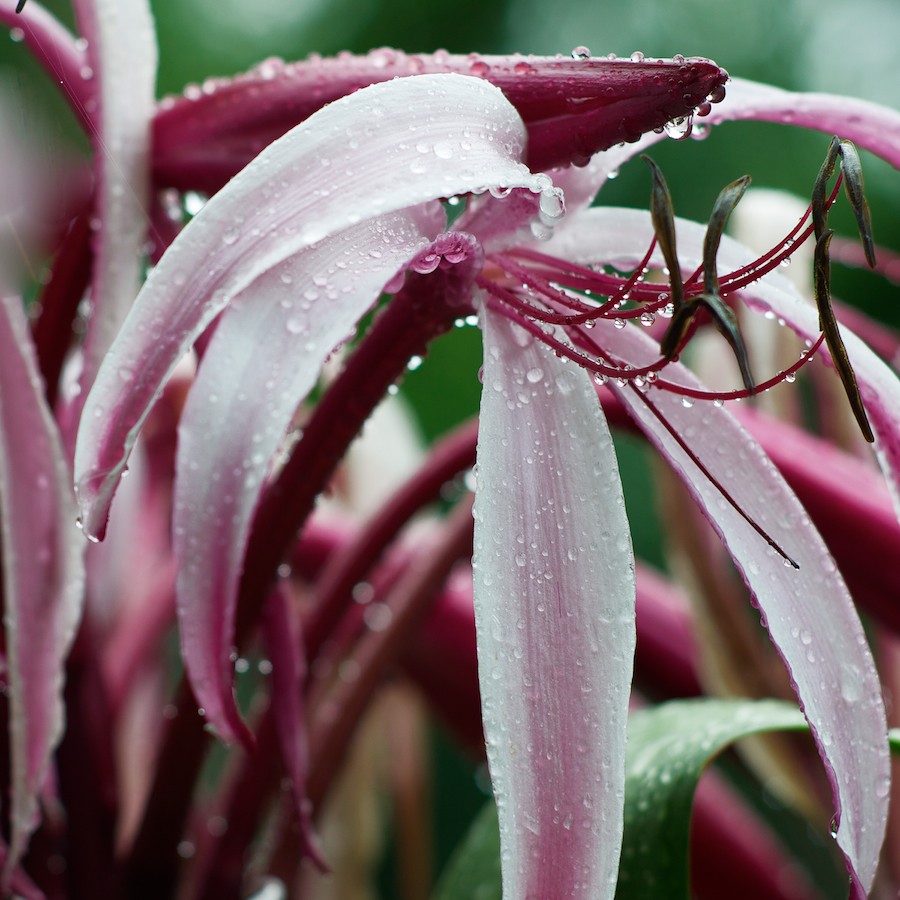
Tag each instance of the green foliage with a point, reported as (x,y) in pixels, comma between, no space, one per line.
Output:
(669,746)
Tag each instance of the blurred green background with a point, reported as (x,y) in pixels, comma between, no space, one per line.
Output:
(826,45)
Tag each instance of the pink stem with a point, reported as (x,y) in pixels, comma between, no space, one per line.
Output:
(58,52)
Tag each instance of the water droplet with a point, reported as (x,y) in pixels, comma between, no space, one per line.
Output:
(647,318)
(552,206)
(612,174)
(16,35)
(637,56)
(679,128)
(687,402)
(619,323)
(534,375)
(581,52)
(790,377)
(443,150)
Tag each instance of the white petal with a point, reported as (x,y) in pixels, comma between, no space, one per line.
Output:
(382,149)
(264,358)
(554,600)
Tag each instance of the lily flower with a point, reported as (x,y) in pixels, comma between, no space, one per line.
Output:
(293,252)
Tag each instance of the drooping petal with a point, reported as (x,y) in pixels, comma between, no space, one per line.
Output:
(43,570)
(383,149)
(554,596)
(121,55)
(572,108)
(869,125)
(808,611)
(875,127)
(264,358)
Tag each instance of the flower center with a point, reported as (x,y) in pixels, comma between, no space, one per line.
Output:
(561,303)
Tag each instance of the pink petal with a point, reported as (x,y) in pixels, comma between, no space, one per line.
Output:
(869,125)
(877,128)
(121,57)
(43,572)
(809,612)
(386,148)
(264,358)
(554,595)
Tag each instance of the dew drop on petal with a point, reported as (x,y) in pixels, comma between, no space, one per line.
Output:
(679,128)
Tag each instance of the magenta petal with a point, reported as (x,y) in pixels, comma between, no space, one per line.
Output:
(554,600)
(43,570)
(121,55)
(572,108)
(386,148)
(264,358)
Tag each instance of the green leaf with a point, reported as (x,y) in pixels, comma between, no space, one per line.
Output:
(473,872)
(669,746)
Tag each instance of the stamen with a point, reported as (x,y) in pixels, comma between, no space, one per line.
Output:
(566,351)
(742,394)
(614,289)
(20,5)
(662,214)
(828,324)
(715,481)
(852,177)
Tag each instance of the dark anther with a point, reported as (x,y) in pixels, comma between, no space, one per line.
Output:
(662,213)
(828,324)
(711,300)
(20,6)
(853,184)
